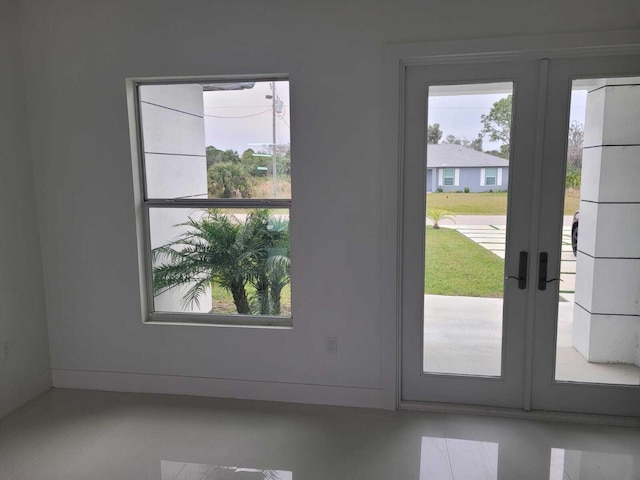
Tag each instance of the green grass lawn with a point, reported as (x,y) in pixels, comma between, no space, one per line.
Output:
(223,300)
(487,203)
(455,265)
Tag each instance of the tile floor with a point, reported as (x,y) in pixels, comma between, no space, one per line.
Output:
(70,434)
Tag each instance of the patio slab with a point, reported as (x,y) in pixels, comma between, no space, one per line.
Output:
(463,335)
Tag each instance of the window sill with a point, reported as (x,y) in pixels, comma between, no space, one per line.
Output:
(207,320)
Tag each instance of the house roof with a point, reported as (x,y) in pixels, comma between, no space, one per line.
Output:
(448,155)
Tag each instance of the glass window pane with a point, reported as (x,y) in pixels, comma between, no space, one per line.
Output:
(216,140)
(491,175)
(464,254)
(598,317)
(231,261)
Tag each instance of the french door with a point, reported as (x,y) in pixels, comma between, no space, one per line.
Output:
(497,308)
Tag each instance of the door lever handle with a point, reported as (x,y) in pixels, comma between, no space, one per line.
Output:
(542,272)
(522,270)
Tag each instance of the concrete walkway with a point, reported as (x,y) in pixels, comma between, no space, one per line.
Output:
(487,220)
(463,335)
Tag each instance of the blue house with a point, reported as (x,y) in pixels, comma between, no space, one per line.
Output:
(454,167)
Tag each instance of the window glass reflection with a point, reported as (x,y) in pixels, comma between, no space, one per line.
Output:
(582,465)
(455,459)
(195,471)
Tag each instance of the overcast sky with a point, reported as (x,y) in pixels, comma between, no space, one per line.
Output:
(460,115)
(237,118)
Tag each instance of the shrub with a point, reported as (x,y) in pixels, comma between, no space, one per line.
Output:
(467,189)
(573,179)
(439,190)
(228,180)
(438,215)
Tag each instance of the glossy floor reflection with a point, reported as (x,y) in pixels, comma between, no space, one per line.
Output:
(69,435)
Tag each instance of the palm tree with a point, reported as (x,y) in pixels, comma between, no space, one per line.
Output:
(438,215)
(266,238)
(218,248)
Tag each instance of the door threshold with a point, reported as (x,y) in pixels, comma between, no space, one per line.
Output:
(547,416)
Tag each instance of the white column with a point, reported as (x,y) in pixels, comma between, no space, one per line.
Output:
(606,325)
(176,166)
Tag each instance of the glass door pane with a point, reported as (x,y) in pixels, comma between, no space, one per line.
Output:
(598,314)
(469,146)
(467,160)
(587,323)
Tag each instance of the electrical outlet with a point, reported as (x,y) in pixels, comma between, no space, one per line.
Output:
(4,351)
(332,345)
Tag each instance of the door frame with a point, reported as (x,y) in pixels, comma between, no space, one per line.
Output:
(397,59)
(504,389)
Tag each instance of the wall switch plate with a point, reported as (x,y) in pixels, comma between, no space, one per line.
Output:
(332,345)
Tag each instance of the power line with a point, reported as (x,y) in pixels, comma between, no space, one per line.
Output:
(242,116)
(238,106)
(284,121)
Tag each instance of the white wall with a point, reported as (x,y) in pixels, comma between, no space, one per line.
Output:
(78,54)
(22,311)
(172,121)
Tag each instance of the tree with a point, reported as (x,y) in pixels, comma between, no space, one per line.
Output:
(219,248)
(452,140)
(230,156)
(215,155)
(228,180)
(477,143)
(208,252)
(474,144)
(434,134)
(269,238)
(497,124)
(574,150)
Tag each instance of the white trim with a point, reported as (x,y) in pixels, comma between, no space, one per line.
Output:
(218,387)
(539,415)
(456,177)
(483,176)
(499,179)
(525,47)
(397,57)
(441,177)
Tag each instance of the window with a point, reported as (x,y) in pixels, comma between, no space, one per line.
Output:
(215,164)
(448,176)
(490,176)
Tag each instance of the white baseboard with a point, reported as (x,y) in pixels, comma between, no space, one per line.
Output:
(216,387)
(566,417)
(15,396)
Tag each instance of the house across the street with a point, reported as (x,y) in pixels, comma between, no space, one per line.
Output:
(454,167)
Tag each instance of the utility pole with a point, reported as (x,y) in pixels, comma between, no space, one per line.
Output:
(274,165)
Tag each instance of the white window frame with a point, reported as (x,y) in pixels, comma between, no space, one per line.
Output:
(487,176)
(144,205)
(444,177)
(483,177)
